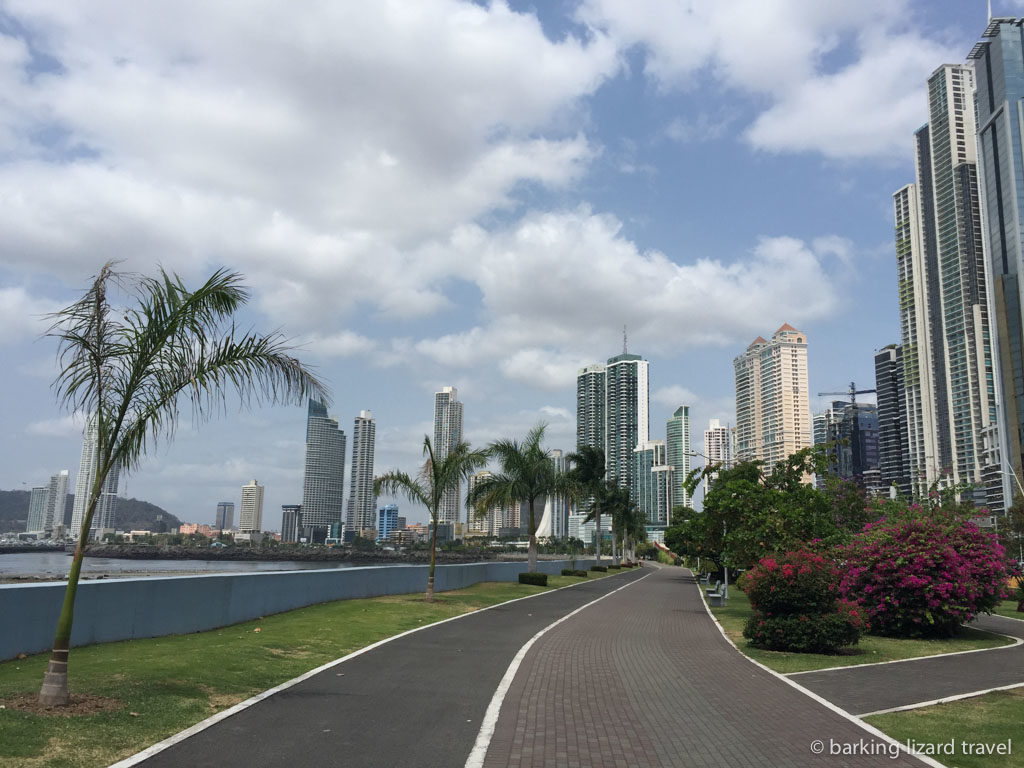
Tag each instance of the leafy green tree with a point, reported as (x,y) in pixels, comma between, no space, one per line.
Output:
(749,513)
(437,476)
(129,368)
(587,475)
(527,475)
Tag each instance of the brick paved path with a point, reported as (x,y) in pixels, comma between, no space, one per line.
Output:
(645,678)
(862,690)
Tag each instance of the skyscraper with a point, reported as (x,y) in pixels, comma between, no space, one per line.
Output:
(37,509)
(773,415)
(677,444)
(448,434)
(654,486)
(323,487)
(998,61)
(103,517)
(250,514)
(362,502)
(718,445)
(46,504)
(893,451)
(225,516)
(554,521)
(627,420)
(949,375)
(590,406)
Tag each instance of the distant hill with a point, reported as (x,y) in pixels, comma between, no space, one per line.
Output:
(131,514)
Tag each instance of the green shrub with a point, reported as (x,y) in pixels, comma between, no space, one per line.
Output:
(581,574)
(614,567)
(797,607)
(599,568)
(568,572)
(536,579)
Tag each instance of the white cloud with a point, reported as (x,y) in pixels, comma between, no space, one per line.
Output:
(558,285)
(71,425)
(798,55)
(674,396)
(22,316)
(310,150)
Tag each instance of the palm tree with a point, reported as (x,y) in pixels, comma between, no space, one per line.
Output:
(126,370)
(437,476)
(527,474)
(587,474)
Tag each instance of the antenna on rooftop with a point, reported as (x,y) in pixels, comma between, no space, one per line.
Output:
(624,339)
(990,10)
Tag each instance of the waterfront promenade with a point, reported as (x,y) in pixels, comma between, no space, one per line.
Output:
(643,677)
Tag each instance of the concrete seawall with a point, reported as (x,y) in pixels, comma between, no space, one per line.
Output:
(122,609)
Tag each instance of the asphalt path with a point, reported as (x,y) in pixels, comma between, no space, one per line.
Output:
(870,688)
(415,701)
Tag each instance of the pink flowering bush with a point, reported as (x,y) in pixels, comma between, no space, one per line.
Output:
(923,573)
(797,605)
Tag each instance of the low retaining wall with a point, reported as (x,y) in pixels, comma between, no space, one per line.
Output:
(121,609)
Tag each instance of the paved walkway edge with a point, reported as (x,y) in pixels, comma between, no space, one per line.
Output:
(946,700)
(1016,641)
(483,739)
(202,725)
(811,694)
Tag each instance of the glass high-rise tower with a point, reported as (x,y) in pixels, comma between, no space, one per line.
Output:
(362,515)
(448,434)
(998,61)
(323,486)
(103,517)
(677,441)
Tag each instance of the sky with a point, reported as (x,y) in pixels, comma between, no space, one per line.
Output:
(481,195)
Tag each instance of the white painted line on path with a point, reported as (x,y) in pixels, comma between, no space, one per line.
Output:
(483,739)
(1016,641)
(824,702)
(944,700)
(170,741)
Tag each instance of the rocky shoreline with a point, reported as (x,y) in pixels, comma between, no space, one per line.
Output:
(276,554)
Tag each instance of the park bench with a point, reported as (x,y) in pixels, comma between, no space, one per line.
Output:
(716,595)
(705,578)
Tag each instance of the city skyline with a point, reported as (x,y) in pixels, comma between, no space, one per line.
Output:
(494,232)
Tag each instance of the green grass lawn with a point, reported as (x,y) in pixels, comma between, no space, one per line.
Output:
(163,685)
(990,719)
(1009,608)
(870,649)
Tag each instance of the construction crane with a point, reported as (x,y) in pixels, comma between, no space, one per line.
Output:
(852,392)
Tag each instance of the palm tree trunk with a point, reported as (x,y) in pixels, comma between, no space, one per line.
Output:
(614,553)
(54,691)
(532,556)
(597,537)
(433,561)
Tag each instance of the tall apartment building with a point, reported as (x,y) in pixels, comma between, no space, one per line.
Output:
(106,506)
(893,449)
(250,514)
(46,504)
(654,483)
(323,486)
(590,400)
(998,61)
(718,445)
(224,518)
(493,519)
(361,515)
(619,419)
(554,521)
(949,374)
(773,415)
(448,434)
(677,446)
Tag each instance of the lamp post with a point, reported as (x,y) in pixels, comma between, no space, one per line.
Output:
(1020,544)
